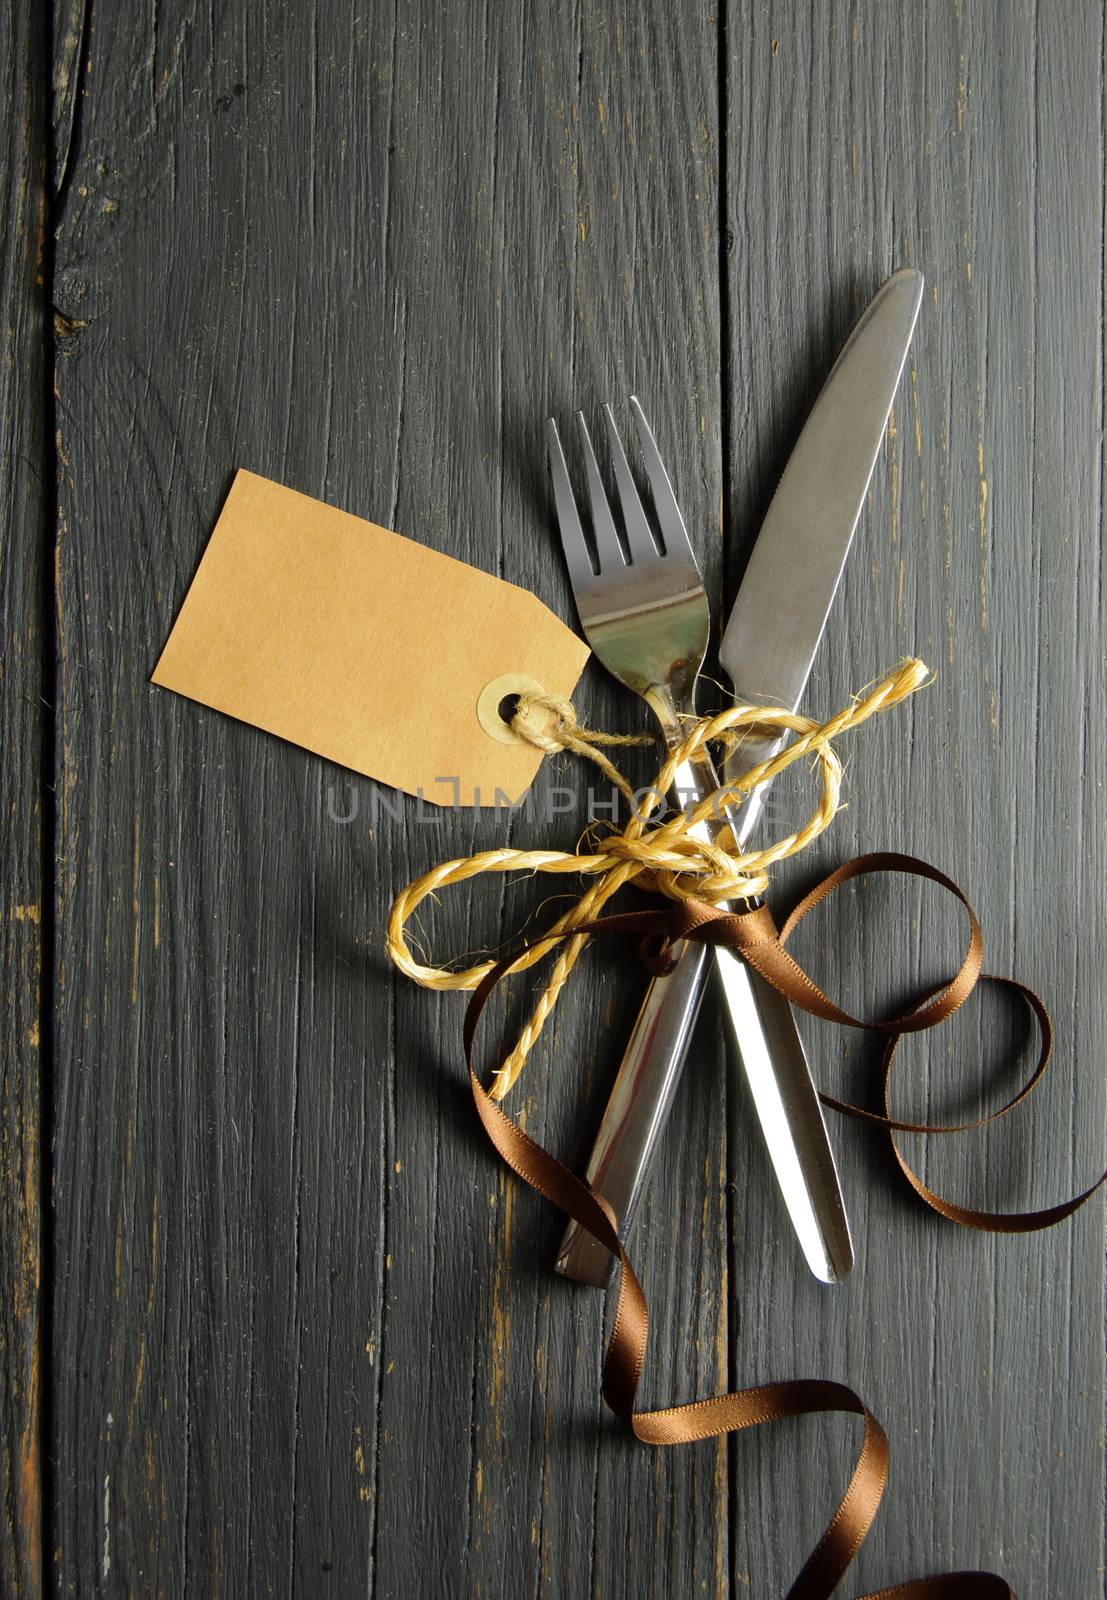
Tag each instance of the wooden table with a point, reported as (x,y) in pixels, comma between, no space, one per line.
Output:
(275,1323)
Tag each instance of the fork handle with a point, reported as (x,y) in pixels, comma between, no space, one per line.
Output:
(784,1096)
(638,1109)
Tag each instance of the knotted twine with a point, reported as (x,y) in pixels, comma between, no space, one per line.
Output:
(666,856)
(695,874)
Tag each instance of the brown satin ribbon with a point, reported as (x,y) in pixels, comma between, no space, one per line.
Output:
(753,935)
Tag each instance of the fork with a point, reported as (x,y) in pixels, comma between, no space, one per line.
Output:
(646,617)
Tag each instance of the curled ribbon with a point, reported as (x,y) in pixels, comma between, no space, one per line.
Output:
(752,935)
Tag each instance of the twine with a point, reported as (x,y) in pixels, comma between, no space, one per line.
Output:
(666,855)
(567,734)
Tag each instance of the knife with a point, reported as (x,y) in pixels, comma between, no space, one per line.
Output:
(768,647)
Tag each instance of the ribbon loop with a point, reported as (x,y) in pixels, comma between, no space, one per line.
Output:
(938,1006)
(751,934)
(669,856)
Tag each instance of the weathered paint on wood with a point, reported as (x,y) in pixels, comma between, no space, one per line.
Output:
(304,1335)
(25,468)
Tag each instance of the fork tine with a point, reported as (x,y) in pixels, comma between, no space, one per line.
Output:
(573,544)
(639,538)
(673,531)
(608,552)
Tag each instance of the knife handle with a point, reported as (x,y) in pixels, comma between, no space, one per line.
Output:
(788,1108)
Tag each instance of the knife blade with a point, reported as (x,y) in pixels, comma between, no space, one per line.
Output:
(769,644)
(780,611)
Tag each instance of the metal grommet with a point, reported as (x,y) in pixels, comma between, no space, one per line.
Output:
(490,698)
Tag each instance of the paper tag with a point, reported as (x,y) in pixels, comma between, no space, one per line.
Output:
(365,647)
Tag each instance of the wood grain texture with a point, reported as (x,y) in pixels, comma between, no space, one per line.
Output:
(304,1336)
(24,501)
(968,142)
(284,1263)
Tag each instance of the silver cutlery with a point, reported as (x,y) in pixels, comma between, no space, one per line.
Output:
(768,647)
(646,617)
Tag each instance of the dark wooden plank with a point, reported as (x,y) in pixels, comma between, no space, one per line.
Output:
(292,1350)
(564,283)
(219,1130)
(305,1328)
(967,141)
(68,44)
(23,515)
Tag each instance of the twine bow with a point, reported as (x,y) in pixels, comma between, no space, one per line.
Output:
(666,855)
